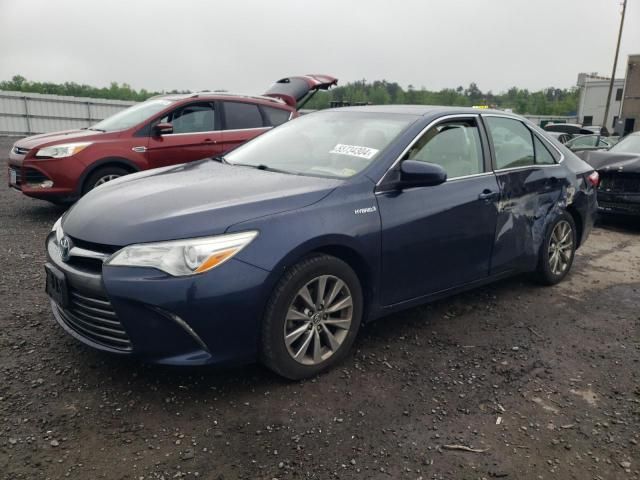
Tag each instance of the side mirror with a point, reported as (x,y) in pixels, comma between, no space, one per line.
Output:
(421,174)
(162,129)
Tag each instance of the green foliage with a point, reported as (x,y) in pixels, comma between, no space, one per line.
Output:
(115,91)
(549,101)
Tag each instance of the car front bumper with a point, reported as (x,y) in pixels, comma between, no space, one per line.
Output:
(46,180)
(211,318)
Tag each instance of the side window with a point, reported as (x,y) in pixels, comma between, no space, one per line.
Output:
(512,142)
(239,115)
(455,146)
(193,118)
(276,116)
(585,141)
(543,156)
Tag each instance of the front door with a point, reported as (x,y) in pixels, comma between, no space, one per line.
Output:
(440,237)
(196,135)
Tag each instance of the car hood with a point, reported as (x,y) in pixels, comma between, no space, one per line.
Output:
(57,137)
(612,161)
(191,200)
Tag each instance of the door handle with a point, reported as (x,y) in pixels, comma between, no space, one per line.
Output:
(208,140)
(488,195)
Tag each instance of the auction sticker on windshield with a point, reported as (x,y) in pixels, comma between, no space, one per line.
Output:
(354,151)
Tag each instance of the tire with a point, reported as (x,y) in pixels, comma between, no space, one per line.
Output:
(290,313)
(102,175)
(556,254)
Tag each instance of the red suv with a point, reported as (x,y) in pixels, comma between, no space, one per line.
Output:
(164,130)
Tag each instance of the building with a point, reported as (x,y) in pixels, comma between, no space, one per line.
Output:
(593,100)
(629,116)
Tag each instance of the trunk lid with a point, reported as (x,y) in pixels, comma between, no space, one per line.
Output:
(293,90)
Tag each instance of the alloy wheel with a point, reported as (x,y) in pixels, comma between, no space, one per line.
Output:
(318,320)
(560,247)
(105,179)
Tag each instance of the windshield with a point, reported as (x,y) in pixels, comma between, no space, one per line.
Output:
(132,115)
(335,144)
(630,144)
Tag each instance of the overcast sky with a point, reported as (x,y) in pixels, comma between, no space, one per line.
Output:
(246,45)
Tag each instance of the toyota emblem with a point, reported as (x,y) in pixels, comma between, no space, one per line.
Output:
(65,248)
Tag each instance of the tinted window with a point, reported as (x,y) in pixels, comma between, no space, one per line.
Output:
(241,115)
(196,117)
(543,156)
(511,141)
(276,116)
(455,146)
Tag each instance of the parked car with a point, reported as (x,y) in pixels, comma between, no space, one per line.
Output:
(560,136)
(165,130)
(619,169)
(282,248)
(590,142)
(572,128)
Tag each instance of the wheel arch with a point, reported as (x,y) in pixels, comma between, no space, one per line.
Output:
(105,162)
(579,223)
(342,247)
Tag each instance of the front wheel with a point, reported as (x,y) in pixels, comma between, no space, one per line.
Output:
(312,318)
(102,176)
(557,251)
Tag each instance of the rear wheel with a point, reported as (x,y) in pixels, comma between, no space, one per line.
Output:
(557,251)
(101,176)
(312,318)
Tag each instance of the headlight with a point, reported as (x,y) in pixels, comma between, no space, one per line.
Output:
(183,257)
(61,151)
(56,226)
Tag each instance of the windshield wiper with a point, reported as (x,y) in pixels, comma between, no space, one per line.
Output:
(221,159)
(96,129)
(262,166)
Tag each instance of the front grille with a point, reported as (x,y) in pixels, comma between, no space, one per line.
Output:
(20,150)
(93,317)
(620,182)
(29,176)
(90,264)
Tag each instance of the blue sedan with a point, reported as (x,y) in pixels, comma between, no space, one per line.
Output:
(280,250)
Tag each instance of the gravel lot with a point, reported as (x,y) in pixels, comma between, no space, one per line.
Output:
(540,382)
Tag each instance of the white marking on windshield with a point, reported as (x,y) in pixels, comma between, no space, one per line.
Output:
(354,151)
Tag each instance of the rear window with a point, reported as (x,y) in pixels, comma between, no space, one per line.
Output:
(239,115)
(276,116)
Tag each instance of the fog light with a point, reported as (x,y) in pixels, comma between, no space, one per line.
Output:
(45,184)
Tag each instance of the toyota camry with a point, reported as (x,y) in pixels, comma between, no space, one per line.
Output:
(281,249)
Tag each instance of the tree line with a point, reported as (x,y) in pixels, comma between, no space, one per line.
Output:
(548,101)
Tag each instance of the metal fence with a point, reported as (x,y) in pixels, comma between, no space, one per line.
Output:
(31,113)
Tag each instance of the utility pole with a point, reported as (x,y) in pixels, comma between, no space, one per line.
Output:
(605,131)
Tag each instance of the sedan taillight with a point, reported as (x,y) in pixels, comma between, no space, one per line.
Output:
(594,179)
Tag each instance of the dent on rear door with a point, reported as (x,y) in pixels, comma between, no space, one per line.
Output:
(529,197)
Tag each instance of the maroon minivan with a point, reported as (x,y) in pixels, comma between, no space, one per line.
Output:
(164,130)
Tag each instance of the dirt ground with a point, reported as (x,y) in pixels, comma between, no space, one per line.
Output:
(539,382)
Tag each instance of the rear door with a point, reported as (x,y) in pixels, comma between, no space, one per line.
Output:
(439,237)
(531,183)
(242,121)
(196,135)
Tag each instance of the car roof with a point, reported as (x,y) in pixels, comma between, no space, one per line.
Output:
(219,96)
(421,110)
